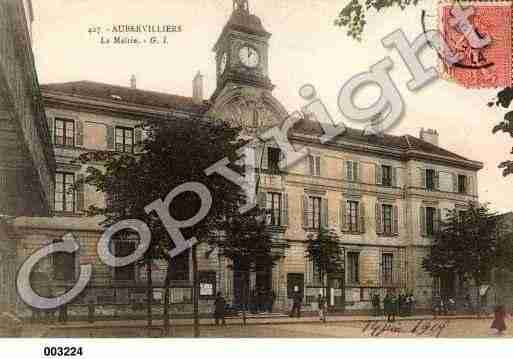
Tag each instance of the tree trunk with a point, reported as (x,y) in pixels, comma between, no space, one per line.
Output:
(326,305)
(195,292)
(478,285)
(244,297)
(166,300)
(149,293)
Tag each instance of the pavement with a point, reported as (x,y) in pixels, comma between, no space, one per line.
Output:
(76,328)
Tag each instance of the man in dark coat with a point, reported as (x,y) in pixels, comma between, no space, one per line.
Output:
(387,305)
(376,304)
(297,298)
(219,308)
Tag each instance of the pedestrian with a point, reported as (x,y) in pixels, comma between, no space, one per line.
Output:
(387,303)
(376,304)
(296,303)
(394,306)
(412,304)
(498,322)
(400,305)
(253,302)
(468,304)
(322,307)
(272,299)
(219,308)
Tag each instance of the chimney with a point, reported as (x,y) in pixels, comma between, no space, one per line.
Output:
(429,135)
(133,82)
(375,128)
(197,88)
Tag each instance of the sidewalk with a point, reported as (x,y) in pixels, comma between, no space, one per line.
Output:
(237,321)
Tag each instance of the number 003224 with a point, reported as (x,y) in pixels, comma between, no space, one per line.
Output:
(62,351)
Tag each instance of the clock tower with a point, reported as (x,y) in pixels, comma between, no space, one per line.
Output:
(242,49)
(243,91)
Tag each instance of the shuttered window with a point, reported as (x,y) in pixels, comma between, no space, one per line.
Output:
(352,216)
(353,267)
(388,267)
(274,203)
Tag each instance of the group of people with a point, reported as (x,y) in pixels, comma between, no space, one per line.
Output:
(401,305)
(445,305)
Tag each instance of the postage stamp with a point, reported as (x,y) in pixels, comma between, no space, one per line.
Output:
(485,63)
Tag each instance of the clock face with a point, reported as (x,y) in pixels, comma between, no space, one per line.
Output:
(249,57)
(224,62)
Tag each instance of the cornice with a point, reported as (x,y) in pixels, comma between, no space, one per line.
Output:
(388,152)
(116,109)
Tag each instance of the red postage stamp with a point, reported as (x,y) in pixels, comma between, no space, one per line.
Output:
(479,34)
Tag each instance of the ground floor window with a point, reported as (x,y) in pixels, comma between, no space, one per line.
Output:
(387,263)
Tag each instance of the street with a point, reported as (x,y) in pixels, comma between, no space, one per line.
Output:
(411,328)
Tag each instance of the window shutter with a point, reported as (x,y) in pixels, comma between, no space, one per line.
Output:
(396,220)
(321,165)
(343,215)
(283,160)
(394,177)
(80,195)
(51,128)
(423,178)
(138,134)
(349,170)
(361,213)
(285,209)
(343,170)
(379,222)
(438,219)
(470,188)
(454,182)
(262,200)
(437,180)
(324,214)
(379,174)
(356,171)
(110,137)
(310,164)
(423,228)
(304,208)
(265,158)
(79,133)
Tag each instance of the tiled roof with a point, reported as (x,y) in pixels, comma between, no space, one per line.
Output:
(404,143)
(245,21)
(121,94)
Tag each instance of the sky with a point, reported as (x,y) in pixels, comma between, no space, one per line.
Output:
(305,47)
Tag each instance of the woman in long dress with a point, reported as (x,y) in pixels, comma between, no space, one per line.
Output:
(499,319)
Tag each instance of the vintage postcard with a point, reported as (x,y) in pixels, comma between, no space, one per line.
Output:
(255,169)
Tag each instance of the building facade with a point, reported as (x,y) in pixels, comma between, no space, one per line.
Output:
(26,156)
(383,194)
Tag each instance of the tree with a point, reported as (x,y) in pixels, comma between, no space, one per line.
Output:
(466,244)
(354,15)
(326,253)
(173,153)
(246,240)
(504,98)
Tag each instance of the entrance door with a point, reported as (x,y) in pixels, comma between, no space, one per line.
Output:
(240,284)
(447,285)
(336,296)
